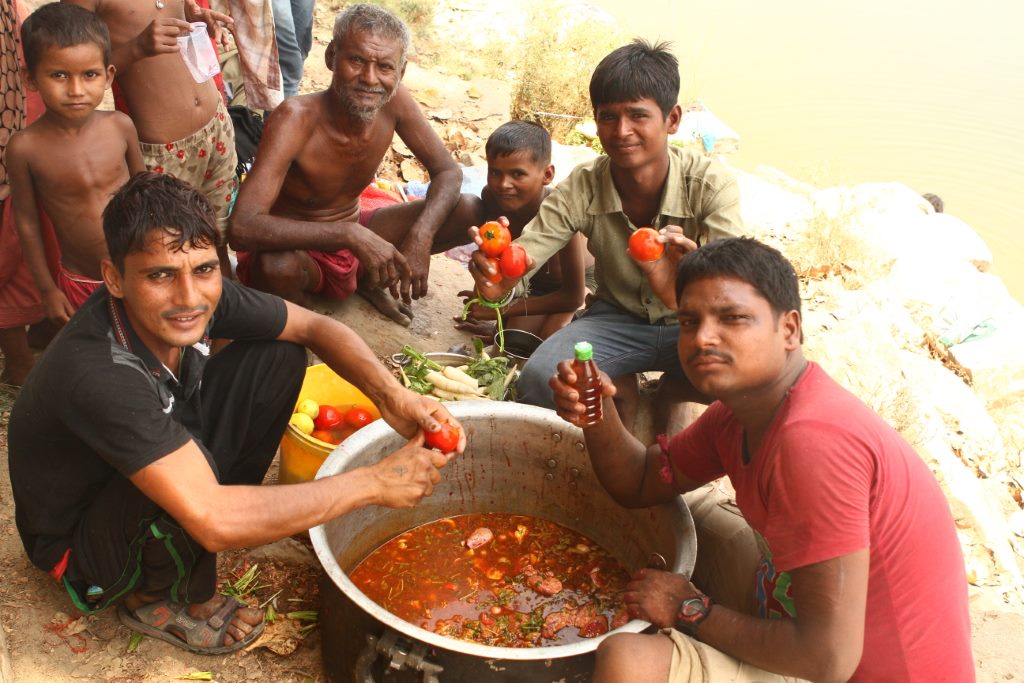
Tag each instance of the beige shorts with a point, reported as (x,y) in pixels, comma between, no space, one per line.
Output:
(695,662)
(205,160)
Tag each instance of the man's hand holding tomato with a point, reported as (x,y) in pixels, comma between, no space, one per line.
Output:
(409,413)
(490,283)
(406,476)
(661,272)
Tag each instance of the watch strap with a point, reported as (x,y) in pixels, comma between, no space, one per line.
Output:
(692,611)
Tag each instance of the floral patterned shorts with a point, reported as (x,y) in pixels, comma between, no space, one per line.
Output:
(206,160)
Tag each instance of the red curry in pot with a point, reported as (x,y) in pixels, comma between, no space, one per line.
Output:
(497,579)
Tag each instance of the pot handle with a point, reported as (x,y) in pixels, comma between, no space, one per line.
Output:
(401,654)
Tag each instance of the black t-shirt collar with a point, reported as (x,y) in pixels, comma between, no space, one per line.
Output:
(189,371)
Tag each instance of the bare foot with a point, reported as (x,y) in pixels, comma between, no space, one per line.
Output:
(397,310)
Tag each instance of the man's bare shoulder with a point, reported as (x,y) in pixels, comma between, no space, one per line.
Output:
(296,117)
(403,106)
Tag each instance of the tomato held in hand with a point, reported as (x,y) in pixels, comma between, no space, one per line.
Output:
(358,417)
(513,261)
(644,245)
(445,439)
(495,238)
(328,417)
(497,277)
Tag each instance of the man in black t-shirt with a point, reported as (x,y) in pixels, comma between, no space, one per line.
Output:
(135,456)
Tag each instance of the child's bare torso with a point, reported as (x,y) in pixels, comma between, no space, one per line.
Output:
(74,174)
(163,99)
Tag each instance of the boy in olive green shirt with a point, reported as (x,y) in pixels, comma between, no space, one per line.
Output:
(642,182)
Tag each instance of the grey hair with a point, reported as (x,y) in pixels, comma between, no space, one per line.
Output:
(374,20)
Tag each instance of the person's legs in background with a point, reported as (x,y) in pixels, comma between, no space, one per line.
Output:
(302,17)
(293,28)
(18,358)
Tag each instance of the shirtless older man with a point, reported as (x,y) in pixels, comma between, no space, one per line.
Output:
(298,211)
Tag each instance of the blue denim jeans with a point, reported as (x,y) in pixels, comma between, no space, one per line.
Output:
(293,28)
(622,344)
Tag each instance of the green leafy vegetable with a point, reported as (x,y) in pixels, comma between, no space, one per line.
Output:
(493,374)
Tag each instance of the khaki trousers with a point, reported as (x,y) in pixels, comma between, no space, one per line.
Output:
(695,662)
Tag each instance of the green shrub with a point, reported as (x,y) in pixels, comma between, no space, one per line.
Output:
(553,65)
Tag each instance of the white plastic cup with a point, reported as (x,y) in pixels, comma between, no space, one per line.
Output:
(198,53)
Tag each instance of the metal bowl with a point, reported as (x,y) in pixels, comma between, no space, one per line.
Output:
(439,357)
(519,344)
(521,460)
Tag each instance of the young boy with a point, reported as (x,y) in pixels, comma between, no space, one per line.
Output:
(519,172)
(184,126)
(71,160)
(642,181)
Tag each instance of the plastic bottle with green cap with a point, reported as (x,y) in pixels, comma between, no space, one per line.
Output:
(588,384)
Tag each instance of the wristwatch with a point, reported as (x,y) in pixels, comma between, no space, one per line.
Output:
(692,611)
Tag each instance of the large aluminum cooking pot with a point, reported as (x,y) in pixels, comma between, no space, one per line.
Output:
(521,460)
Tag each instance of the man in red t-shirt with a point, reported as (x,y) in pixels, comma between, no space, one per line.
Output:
(861,577)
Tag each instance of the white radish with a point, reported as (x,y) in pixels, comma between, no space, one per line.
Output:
(446,384)
(451,396)
(454,373)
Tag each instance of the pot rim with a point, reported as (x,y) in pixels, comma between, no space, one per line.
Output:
(318,534)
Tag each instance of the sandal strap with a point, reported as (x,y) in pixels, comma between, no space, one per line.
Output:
(173,618)
(224,613)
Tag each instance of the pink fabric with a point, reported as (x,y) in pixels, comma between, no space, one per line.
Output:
(20,303)
(337,278)
(832,478)
(77,288)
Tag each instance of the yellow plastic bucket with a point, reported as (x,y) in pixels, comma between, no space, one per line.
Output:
(301,454)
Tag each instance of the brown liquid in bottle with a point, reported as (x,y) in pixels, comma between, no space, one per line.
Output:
(588,384)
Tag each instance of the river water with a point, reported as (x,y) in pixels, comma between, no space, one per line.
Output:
(929,93)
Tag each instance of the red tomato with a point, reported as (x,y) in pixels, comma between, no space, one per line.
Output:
(496,278)
(358,417)
(325,435)
(644,245)
(513,261)
(495,238)
(328,417)
(445,439)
